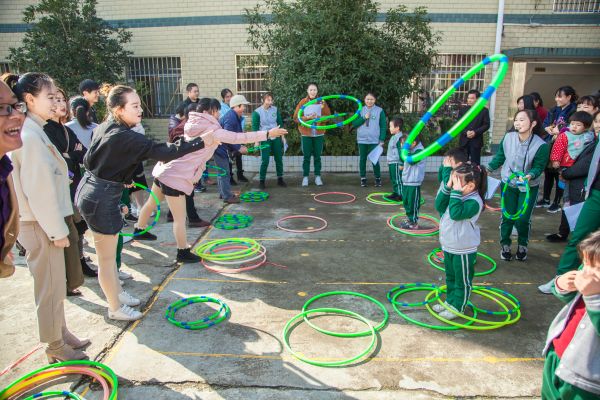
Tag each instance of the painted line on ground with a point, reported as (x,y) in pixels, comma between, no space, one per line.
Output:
(230,281)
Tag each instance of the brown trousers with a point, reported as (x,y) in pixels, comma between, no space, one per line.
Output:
(72,257)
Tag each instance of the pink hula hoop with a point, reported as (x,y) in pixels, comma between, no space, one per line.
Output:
(353,198)
(305,230)
(212,268)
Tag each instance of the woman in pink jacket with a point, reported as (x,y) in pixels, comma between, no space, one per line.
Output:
(177,178)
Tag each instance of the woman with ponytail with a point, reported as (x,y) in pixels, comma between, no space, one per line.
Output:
(82,123)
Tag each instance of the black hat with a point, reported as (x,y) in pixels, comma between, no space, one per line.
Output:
(88,85)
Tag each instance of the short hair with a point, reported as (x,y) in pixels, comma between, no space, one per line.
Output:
(224,93)
(265,95)
(190,86)
(591,100)
(589,248)
(457,154)
(180,110)
(88,85)
(476,92)
(398,122)
(581,116)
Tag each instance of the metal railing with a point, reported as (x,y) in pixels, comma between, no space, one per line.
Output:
(576,6)
(251,78)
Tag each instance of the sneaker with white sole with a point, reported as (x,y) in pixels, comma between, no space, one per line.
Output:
(447,314)
(318,181)
(127,299)
(546,288)
(305,181)
(521,253)
(506,253)
(125,313)
(438,308)
(124,275)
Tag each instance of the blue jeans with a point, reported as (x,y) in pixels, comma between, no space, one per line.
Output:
(224,183)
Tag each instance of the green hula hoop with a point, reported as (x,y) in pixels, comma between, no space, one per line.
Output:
(419,323)
(525,204)
(254,197)
(287,329)
(390,223)
(258,148)
(156,217)
(379,327)
(500,291)
(54,395)
(488,325)
(205,250)
(221,314)
(113,381)
(313,124)
(371,198)
(233,221)
(390,294)
(482,273)
(220,171)
(465,120)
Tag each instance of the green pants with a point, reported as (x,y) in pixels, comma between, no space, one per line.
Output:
(396,177)
(276,149)
(363,152)
(459,278)
(554,388)
(588,222)
(513,200)
(411,198)
(312,146)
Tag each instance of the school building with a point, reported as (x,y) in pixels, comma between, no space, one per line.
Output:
(550,43)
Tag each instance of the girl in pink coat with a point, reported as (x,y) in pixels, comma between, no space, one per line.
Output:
(177,178)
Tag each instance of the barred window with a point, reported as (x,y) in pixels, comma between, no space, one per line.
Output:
(251,79)
(576,6)
(448,68)
(4,67)
(158,82)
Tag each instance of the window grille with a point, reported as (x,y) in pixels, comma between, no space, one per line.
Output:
(251,79)
(576,6)
(4,67)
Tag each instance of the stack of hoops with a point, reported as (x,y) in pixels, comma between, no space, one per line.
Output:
(232,255)
(254,197)
(41,377)
(369,331)
(508,304)
(221,314)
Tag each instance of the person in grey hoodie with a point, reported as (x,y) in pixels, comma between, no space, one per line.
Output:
(412,178)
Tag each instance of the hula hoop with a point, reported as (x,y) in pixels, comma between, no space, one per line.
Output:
(314,125)
(419,323)
(371,198)
(390,294)
(220,171)
(222,313)
(254,197)
(243,268)
(206,250)
(156,217)
(420,232)
(488,325)
(465,120)
(56,394)
(9,391)
(258,148)
(286,334)
(379,327)
(298,230)
(352,198)
(503,292)
(525,204)
(233,221)
(493,208)
(434,253)
(250,257)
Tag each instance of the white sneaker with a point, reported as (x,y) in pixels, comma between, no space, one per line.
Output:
(125,313)
(438,308)
(447,314)
(546,288)
(128,299)
(124,275)
(305,181)
(318,181)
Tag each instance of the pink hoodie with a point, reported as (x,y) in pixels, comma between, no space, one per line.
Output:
(181,174)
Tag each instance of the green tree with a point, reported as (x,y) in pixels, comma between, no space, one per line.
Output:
(345,46)
(70,43)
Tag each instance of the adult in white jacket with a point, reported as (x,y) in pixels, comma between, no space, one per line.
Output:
(42,186)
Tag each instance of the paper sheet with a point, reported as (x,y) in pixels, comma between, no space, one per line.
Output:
(492,186)
(572,214)
(375,154)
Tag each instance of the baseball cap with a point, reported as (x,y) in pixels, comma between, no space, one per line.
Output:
(237,100)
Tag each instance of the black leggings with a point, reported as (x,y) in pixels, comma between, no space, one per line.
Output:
(550,181)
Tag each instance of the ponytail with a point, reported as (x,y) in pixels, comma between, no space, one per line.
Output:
(474,173)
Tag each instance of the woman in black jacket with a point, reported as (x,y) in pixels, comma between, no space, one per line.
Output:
(576,175)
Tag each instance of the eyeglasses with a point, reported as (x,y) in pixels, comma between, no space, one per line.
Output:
(7,109)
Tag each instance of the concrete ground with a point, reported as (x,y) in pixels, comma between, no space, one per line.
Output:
(244,358)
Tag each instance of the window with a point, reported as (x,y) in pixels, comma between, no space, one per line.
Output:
(576,6)
(251,79)
(4,67)
(448,68)
(158,82)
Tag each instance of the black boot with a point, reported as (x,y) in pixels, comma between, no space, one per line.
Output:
(143,236)
(87,271)
(281,182)
(186,256)
(261,185)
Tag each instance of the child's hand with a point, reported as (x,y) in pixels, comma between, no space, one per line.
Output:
(456,183)
(243,150)
(446,162)
(586,283)
(555,164)
(566,282)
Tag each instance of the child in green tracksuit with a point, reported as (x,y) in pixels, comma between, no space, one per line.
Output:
(264,118)
(370,133)
(519,151)
(452,159)
(412,178)
(460,202)
(395,163)
(572,350)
